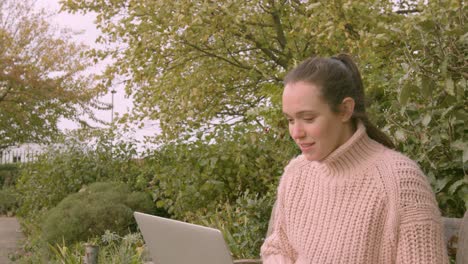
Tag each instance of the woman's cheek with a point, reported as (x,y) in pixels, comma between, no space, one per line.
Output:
(315,131)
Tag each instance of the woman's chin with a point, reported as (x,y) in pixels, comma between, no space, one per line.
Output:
(310,157)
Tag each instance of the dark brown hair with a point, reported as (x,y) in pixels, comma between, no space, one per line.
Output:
(338,77)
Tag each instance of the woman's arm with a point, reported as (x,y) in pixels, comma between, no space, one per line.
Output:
(420,238)
(276,259)
(276,248)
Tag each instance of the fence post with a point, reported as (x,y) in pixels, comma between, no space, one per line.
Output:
(462,255)
(91,254)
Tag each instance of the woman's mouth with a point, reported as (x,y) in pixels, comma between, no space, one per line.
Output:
(306,146)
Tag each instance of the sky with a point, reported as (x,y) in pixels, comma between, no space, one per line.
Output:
(84,24)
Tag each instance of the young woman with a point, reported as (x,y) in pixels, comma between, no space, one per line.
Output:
(349,198)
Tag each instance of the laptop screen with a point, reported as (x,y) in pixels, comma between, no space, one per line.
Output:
(174,242)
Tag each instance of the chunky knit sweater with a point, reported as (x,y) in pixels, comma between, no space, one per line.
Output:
(364,203)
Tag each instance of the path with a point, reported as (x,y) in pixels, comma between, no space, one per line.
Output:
(10,235)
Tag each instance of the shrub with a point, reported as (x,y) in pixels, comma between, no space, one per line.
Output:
(244,224)
(8,201)
(112,249)
(8,174)
(127,249)
(201,176)
(65,170)
(89,213)
(428,118)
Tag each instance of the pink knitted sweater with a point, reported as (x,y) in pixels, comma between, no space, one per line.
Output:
(364,203)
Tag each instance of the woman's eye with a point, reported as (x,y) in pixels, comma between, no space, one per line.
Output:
(290,121)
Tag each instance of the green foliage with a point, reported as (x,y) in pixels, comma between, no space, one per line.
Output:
(100,207)
(8,174)
(122,249)
(226,180)
(64,255)
(113,248)
(193,63)
(8,201)
(427,112)
(42,76)
(243,223)
(82,158)
(69,166)
(198,65)
(200,175)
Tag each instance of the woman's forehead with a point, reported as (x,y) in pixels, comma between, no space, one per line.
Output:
(300,90)
(302,97)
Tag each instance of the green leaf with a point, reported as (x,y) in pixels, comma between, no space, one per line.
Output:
(454,187)
(313,6)
(443,67)
(213,161)
(405,67)
(405,93)
(400,135)
(465,155)
(426,120)
(441,183)
(160,204)
(449,86)
(428,25)
(459,145)
(427,86)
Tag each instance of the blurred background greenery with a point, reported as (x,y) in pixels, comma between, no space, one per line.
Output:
(210,73)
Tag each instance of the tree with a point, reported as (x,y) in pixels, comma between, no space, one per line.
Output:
(197,65)
(428,112)
(41,76)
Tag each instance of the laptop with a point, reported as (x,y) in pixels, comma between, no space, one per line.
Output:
(174,242)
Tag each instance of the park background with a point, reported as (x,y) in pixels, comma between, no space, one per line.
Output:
(206,77)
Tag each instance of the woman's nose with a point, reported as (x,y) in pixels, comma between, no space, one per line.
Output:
(297,131)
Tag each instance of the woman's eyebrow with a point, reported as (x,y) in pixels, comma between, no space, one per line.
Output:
(302,113)
(306,112)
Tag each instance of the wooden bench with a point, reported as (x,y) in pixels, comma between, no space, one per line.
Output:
(456,239)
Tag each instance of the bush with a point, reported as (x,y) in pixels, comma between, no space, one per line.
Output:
(243,224)
(428,118)
(65,170)
(127,249)
(199,175)
(100,207)
(8,174)
(8,201)
(112,249)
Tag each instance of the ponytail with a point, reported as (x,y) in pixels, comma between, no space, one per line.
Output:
(374,132)
(360,111)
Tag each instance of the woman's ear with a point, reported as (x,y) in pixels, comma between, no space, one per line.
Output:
(347,109)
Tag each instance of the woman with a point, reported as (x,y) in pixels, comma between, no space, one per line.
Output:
(349,198)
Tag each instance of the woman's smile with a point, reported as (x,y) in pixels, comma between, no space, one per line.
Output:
(305,146)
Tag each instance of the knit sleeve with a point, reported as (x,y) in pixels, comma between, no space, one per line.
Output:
(420,238)
(276,248)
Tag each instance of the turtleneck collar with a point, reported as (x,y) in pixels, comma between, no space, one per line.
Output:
(353,154)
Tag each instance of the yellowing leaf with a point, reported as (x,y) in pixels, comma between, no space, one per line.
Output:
(449,86)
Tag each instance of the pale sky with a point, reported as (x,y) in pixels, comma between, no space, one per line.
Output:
(88,34)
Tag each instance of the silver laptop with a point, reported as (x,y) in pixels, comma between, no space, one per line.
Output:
(174,242)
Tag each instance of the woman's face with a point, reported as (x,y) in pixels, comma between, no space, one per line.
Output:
(314,127)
